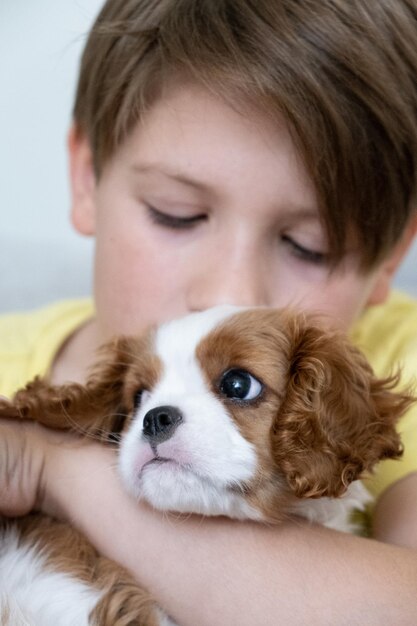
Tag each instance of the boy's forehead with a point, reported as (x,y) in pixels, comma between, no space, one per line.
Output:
(195,140)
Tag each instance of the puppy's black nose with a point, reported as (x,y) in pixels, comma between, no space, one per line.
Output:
(159,424)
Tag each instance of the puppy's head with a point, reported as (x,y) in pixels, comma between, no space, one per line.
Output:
(239,412)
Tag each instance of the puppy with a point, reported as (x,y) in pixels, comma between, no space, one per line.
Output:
(254,414)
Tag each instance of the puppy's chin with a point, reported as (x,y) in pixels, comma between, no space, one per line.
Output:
(169,486)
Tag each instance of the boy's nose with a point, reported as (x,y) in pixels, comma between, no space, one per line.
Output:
(224,282)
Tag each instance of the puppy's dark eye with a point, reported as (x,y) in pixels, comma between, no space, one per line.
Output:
(240,385)
(137,398)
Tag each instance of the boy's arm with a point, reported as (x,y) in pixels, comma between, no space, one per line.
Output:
(222,572)
(395,516)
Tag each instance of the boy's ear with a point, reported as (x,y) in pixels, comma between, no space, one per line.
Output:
(386,271)
(82,183)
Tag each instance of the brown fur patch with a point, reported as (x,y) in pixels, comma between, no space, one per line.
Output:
(254,341)
(337,419)
(102,406)
(323,419)
(65,550)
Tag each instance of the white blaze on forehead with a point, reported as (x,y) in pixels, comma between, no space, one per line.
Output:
(175,345)
(208,431)
(177,340)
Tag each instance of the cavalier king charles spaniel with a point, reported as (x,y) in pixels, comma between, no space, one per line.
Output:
(250,413)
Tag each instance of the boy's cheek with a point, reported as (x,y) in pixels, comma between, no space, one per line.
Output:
(142,278)
(131,293)
(127,302)
(343,299)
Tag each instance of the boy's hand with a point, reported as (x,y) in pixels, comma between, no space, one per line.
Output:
(28,454)
(36,465)
(23,449)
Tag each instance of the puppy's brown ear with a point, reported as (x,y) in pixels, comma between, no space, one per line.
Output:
(337,419)
(97,408)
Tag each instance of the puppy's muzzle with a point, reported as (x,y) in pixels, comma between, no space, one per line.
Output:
(160,423)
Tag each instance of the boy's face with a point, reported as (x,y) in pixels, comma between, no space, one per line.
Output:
(203,205)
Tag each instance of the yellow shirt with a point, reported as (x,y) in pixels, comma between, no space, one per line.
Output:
(30,341)
(387,334)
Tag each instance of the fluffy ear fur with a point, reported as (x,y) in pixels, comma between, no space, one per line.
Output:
(337,419)
(97,408)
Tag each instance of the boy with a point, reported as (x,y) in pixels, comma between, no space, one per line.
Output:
(255,153)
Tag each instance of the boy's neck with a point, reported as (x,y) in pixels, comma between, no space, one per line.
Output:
(76,356)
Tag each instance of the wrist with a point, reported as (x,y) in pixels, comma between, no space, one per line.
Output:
(69,464)
(21,467)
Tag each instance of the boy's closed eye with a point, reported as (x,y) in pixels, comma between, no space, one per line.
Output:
(305,253)
(186,222)
(175,222)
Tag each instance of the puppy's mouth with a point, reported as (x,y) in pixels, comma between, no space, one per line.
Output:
(160,460)
(172,465)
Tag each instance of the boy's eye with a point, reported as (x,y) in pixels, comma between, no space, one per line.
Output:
(240,385)
(305,254)
(174,221)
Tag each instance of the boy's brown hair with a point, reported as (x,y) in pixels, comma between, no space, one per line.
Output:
(343,73)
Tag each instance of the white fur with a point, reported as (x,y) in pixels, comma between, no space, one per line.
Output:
(335,513)
(210,456)
(34,595)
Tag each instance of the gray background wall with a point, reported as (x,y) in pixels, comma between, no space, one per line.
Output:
(40,258)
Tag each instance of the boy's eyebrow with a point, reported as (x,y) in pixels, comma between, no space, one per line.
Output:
(298,212)
(174,175)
